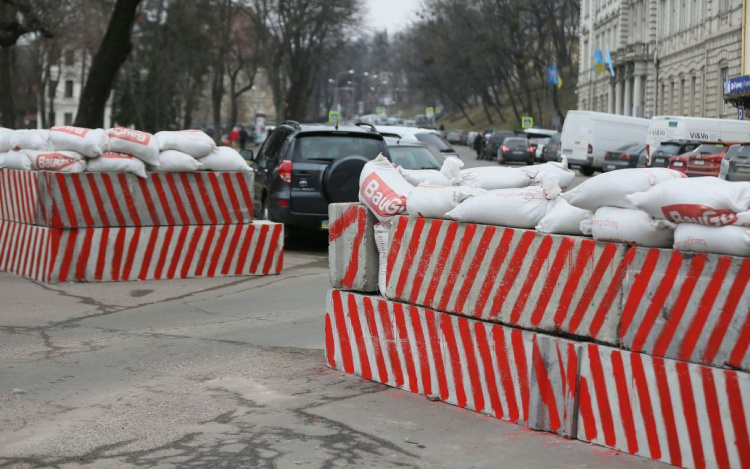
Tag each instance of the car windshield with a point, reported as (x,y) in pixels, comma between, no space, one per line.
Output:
(667,149)
(435,140)
(709,149)
(415,157)
(625,148)
(743,151)
(516,143)
(331,147)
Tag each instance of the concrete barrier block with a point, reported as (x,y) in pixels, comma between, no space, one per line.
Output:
(684,414)
(551,283)
(78,200)
(352,253)
(688,306)
(54,255)
(507,373)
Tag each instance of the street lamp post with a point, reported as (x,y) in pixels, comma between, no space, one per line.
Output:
(336,89)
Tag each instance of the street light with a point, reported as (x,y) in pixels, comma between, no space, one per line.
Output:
(336,89)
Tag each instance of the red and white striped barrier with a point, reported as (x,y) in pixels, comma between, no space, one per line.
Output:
(686,306)
(503,372)
(77,200)
(517,277)
(55,255)
(352,254)
(684,414)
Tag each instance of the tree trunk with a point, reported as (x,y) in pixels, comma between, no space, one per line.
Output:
(7,105)
(112,53)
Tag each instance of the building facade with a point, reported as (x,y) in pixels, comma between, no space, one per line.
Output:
(668,56)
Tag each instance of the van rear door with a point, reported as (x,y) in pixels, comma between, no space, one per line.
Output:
(574,140)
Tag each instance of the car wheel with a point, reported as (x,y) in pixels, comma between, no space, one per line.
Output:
(587,170)
(500,159)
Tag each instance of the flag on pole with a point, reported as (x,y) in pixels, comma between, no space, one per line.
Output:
(552,75)
(598,61)
(608,60)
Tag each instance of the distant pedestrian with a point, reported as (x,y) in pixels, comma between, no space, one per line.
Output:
(234,137)
(243,137)
(442,127)
(478,145)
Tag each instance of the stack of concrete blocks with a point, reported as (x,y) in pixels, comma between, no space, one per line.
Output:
(92,227)
(642,350)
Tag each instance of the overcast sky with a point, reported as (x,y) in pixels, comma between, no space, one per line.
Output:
(393,15)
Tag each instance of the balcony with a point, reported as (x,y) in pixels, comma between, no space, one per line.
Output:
(637,52)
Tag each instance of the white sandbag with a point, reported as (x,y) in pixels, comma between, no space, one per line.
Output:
(142,145)
(173,161)
(5,145)
(30,139)
(88,142)
(492,178)
(629,226)
(224,159)
(117,163)
(520,208)
(381,242)
(729,240)
(704,200)
(58,161)
(195,143)
(382,189)
(563,218)
(611,189)
(17,160)
(452,169)
(565,175)
(435,201)
(416,177)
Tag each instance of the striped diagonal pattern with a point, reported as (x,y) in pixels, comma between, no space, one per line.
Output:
(684,414)
(141,253)
(517,277)
(352,256)
(77,200)
(503,372)
(691,307)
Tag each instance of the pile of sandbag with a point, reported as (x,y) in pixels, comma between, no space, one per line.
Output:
(615,218)
(76,149)
(710,214)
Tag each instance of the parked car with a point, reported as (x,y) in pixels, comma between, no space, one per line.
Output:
(705,160)
(724,166)
(624,157)
(669,149)
(413,155)
(739,164)
(419,134)
(301,168)
(453,137)
(464,137)
(494,142)
(515,149)
(538,145)
(551,151)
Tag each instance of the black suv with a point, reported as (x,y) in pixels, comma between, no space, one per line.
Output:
(301,168)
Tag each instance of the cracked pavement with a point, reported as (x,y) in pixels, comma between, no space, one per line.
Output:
(223,373)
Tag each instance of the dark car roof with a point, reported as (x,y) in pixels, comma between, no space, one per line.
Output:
(330,128)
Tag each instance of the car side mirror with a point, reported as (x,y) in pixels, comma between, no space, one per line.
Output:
(247,154)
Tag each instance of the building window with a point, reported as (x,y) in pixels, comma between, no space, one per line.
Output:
(672,99)
(723,75)
(70,58)
(68,88)
(68,118)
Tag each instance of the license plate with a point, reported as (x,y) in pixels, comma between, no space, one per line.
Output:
(324,225)
(568,152)
(660,160)
(518,153)
(699,162)
(610,166)
(743,169)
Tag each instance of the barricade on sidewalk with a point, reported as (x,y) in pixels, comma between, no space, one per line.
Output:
(55,255)
(504,372)
(78,200)
(684,414)
(352,254)
(524,278)
(688,306)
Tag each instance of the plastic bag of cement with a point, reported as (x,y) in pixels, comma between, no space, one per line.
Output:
(195,143)
(563,218)
(173,161)
(561,170)
(88,142)
(117,162)
(452,169)
(428,201)
(17,160)
(630,226)
(5,145)
(58,161)
(416,177)
(705,201)
(30,139)
(491,178)
(729,240)
(381,242)
(383,189)
(611,189)
(142,145)
(224,159)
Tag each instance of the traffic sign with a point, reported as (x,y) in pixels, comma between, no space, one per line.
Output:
(378,110)
(741,112)
(429,112)
(527,122)
(334,117)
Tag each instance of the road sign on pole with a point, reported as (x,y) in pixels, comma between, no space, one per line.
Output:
(741,112)
(527,122)
(429,112)
(334,117)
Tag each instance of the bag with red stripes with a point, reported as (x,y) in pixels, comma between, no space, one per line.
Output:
(383,190)
(59,161)
(142,145)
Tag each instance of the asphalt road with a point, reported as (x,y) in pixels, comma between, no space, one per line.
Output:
(224,373)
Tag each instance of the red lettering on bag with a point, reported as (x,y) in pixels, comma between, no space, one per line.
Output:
(53,161)
(77,131)
(700,214)
(383,200)
(135,136)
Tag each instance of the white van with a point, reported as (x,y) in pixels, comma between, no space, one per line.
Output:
(695,128)
(587,136)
